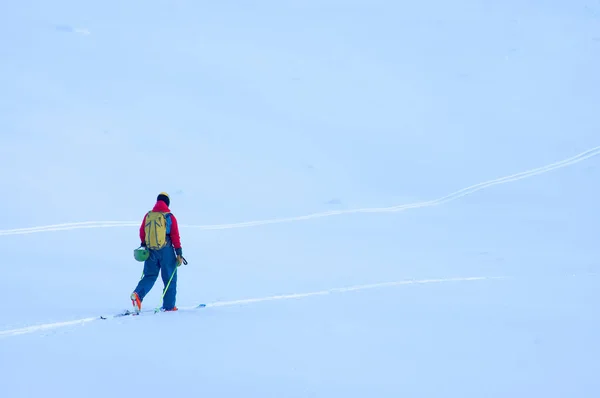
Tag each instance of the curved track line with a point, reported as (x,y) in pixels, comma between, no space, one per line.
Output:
(445,199)
(56,325)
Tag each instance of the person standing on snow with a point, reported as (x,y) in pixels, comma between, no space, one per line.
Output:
(159,234)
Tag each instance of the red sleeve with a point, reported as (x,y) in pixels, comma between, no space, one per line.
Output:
(175,233)
(143,229)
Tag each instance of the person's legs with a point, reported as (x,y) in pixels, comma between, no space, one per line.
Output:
(151,270)
(168,267)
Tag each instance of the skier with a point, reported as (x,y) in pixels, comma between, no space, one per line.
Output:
(159,234)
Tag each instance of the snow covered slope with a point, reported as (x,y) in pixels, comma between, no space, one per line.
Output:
(377,199)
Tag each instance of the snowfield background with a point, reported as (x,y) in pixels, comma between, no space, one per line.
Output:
(270,123)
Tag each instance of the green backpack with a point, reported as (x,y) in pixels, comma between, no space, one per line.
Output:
(156,230)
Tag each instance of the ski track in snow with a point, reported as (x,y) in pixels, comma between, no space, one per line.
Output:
(56,325)
(445,199)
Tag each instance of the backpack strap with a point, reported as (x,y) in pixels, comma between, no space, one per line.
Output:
(169,222)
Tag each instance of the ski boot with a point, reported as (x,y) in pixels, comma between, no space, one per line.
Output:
(136,302)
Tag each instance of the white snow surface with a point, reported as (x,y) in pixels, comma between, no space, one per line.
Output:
(376,198)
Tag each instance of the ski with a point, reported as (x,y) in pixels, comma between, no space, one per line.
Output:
(121,314)
(135,313)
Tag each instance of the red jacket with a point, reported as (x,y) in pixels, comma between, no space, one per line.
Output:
(174,234)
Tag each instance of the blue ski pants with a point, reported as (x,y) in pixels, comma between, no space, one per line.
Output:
(165,262)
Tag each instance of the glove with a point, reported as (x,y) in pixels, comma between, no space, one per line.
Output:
(181,260)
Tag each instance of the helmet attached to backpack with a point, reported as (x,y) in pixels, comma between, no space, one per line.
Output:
(141,254)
